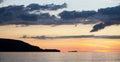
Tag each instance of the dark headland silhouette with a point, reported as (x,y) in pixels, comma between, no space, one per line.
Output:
(11,45)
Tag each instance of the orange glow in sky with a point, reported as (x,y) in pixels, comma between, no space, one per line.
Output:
(81,45)
(72,44)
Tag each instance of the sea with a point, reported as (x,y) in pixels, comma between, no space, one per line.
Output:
(59,56)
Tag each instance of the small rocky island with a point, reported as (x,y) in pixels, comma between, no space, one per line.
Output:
(73,51)
(11,45)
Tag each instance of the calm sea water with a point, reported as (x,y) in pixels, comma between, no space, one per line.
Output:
(59,57)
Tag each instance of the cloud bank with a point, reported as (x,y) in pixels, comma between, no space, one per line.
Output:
(32,15)
(19,14)
(106,17)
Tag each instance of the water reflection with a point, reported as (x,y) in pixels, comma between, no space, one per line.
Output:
(59,57)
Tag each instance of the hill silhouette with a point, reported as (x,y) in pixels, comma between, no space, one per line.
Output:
(11,45)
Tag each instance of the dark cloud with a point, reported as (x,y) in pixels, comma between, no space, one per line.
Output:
(66,37)
(76,14)
(76,17)
(33,7)
(7,14)
(110,10)
(101,26)
(28,17)
(98,27)
(19,14)
(108,16)
(1,1)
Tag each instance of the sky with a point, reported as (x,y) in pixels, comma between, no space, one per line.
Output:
(96,21)
(72,4)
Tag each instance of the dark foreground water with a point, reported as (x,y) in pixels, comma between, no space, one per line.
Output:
(58,57)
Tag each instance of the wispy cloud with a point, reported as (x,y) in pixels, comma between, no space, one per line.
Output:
(113,0)
(68,37)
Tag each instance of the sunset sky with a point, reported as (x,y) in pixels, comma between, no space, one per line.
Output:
(86,27)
